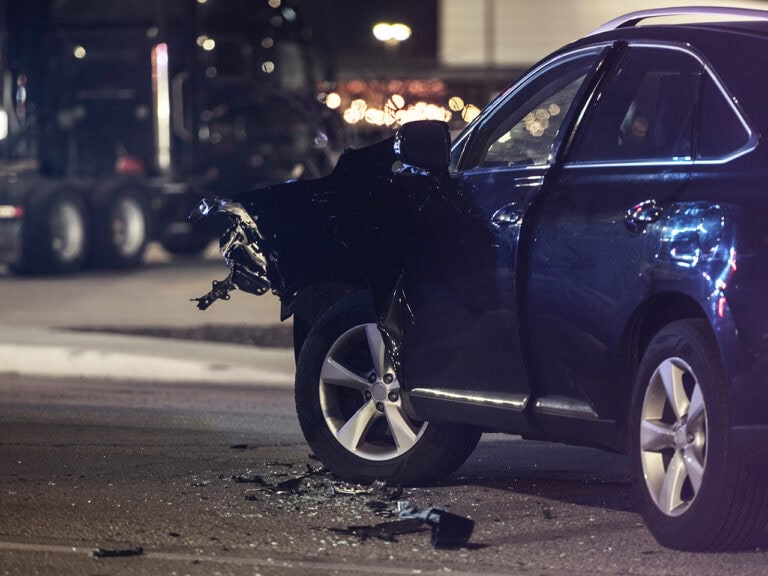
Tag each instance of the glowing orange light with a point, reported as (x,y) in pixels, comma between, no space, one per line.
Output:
(721,306)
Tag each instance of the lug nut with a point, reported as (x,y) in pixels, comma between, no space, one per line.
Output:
(393,397)
(367,395)
(372,378)
(388,378)
(380,406)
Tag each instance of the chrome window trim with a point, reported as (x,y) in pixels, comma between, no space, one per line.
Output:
(752,136)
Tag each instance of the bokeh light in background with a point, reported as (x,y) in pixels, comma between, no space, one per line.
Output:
(393,103)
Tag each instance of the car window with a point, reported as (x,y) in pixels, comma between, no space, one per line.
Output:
(646,110)
(523,130)
(722,132)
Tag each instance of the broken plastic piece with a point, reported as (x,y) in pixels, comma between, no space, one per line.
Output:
(118,553)
(352,489)
(249,480)
(448,530)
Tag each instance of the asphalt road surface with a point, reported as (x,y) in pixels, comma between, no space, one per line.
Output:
(195,479)
(182,478)
(156,294)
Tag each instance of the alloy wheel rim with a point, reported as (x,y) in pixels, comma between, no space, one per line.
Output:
(360,397)
(673,437)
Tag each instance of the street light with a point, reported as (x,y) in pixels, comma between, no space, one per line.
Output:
(391,34)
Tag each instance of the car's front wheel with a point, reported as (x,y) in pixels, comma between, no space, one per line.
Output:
(695,492)
(351,406)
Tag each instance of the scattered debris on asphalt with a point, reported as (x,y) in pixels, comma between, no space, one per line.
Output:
(118,552)
(317,487)
(289,486)
(378,487)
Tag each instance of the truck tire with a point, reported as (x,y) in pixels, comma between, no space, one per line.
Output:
(351,409)
(56,235)
(696,493)
(121,228)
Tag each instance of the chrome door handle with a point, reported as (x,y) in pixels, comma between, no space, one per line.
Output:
(507,216)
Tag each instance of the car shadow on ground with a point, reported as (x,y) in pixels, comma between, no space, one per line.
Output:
(571,474)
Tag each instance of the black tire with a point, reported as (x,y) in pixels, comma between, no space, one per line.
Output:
(337,355)
(56,235)
(695,493)
(121,228)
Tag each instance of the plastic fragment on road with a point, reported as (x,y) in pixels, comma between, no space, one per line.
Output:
(118,552)
(448,530)
(384,531)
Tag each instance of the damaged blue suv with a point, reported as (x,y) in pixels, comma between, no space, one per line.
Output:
(586,263)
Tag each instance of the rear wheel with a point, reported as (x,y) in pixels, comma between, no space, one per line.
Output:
(55,236)
(695,492)
(351,410)
(121,229)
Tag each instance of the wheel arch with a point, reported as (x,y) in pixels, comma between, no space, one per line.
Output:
(647,320)
(310,301)
(315,289)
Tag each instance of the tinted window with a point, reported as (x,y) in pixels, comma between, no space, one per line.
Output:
(524,129)
(645,111)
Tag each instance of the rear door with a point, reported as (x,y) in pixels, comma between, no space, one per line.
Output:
(598,229)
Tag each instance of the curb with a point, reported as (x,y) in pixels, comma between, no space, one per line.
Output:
(49,352)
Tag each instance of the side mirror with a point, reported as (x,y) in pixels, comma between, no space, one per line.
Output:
(424,144)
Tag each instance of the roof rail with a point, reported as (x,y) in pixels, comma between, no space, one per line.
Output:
(633,18)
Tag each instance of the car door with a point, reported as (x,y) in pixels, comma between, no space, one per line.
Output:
(597,233)
(462,349)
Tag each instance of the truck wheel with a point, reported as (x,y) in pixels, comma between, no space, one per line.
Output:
(120,229)
(695,491)
(351,410)
(55,236)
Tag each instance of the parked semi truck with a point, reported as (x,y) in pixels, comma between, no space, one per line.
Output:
(116,117)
